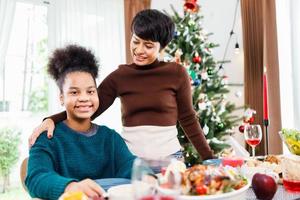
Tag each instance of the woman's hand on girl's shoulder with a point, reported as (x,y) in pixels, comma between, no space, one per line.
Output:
(47,125)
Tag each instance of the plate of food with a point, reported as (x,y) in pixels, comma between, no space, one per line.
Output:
(268,164)
(121,192)
(202,182)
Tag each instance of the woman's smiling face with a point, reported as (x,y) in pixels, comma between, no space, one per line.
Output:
(143,52)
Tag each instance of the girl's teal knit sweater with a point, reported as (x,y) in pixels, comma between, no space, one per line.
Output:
(71,156)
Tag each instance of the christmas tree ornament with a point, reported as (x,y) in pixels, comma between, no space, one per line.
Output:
(204,75)
(208,104)
(209,71)
(217,119)
(192,74)
(241,128)
(177,33)
(202,96)
(196,82)
(186,31)
(220,126)
(205,129)
(225,80)
(238,94)
(222,108)
(197,59)
(191,6)
(202,105)
(197,67)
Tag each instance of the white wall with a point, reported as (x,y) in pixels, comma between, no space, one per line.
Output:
(218,19)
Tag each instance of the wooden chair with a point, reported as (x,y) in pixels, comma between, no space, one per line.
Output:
(23,173)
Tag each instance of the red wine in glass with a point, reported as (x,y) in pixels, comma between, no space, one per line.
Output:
(253,135)
(253,141)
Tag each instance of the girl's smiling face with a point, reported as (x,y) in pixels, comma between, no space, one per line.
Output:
(79,95)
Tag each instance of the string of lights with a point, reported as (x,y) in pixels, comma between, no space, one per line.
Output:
(237,46)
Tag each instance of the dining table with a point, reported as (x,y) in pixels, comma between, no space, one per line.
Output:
(281,193)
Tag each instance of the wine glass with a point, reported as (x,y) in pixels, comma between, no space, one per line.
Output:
(153,179)
(253,135)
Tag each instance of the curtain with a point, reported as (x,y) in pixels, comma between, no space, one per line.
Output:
(260,49)
(96,24)
(131,8)
(253,58)
(289,43)
(272,64)
(7,12)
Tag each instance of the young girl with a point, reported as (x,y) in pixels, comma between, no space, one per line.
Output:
(80,150)
(154,94)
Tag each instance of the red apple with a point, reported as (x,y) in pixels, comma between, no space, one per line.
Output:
(264,186)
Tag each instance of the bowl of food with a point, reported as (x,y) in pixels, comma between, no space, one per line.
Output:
(202,182)
(291,138)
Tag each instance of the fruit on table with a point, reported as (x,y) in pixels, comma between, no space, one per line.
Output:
(73,196)
(293,145)
(264,186)
(291,137)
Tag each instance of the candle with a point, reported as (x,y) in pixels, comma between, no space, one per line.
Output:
(265,95)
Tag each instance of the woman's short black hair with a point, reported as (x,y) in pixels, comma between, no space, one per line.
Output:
(151,24)
(70,59)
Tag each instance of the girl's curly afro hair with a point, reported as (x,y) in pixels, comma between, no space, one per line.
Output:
(70,59)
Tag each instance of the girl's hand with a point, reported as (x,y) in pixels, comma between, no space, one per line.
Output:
(47,125)
(87,186)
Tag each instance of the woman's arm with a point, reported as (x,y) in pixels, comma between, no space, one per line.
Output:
(187,116)
(107,93)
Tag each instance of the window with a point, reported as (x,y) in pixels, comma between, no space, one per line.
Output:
(24,85)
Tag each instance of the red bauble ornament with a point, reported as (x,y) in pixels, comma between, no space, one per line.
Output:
(197,59)
(191,6)
(242,128)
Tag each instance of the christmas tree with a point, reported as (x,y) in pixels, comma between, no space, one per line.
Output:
(191,48)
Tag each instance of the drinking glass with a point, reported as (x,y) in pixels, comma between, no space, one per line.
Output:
(153,179)
(253,135)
